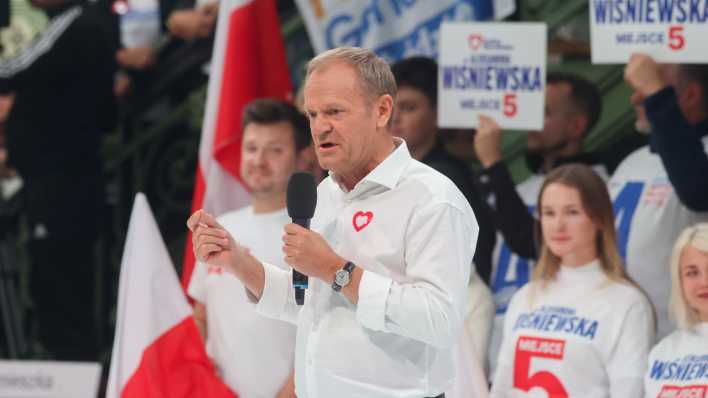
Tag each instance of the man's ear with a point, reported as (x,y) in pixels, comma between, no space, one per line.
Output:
(693,97)
(384,110)
(578,127)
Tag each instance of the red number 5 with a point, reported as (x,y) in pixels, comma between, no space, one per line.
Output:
(510,107)
(676,39)
(526,349)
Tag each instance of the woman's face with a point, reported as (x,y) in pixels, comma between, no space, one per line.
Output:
(567,229)
(693,268)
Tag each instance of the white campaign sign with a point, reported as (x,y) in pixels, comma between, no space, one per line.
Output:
(139,22)
(394,29)
(48,379)
(493,69)
(668,30)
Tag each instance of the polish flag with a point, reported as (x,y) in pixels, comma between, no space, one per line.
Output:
(157,349)
(248,63)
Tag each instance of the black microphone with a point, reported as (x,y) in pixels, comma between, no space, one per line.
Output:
(301,201)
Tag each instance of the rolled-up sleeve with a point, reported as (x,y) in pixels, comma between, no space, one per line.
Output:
(277,300)
(430,304)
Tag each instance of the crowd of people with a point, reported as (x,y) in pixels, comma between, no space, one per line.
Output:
(579,281)
(590,315)
(57,98)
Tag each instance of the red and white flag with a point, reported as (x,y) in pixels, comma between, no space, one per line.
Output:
(157,349)
(248,63)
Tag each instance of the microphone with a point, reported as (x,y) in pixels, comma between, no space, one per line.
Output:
(301,202)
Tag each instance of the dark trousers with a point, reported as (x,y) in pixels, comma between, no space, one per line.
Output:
(63,215)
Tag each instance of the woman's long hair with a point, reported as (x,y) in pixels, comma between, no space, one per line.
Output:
(597,204)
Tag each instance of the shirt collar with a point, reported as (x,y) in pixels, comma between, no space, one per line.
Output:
(701,328)
(389,171)
(585,273)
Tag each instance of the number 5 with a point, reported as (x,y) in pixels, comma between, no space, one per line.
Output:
(526,349)
(676,39)
(510,107)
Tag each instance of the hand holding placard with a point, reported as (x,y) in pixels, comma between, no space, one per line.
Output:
(669,31)
(644,75)
(487,141)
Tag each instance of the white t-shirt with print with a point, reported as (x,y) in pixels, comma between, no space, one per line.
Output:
(649,218)
(253,353)
(678,365)
(581,335)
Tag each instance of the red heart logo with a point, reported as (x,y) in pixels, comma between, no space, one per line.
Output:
(475,41)
(361,220)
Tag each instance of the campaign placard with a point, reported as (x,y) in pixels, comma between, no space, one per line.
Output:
(674,31)
(49,379)
(493,69)
(394,29)
(139,22)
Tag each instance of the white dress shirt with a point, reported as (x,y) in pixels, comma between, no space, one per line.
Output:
(414,234)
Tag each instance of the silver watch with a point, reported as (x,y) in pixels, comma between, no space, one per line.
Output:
(343,276)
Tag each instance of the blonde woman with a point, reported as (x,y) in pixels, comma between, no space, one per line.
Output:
(678,365)
(580,328)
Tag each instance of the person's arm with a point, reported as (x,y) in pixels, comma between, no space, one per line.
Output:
(480,319)
(200,318)
(680,147)
(503,383)
(197,290)
(487,233)
(628,358)
(52,54)
(510,214)
(267,285)
(430,306)
(288,388)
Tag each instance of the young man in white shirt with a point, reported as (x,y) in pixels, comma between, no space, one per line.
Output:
(388,257)
(253,353)
(656,190)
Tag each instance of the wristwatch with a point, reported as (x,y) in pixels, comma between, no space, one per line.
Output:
(343,276)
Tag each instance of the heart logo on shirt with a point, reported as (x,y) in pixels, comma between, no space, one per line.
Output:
(362,219)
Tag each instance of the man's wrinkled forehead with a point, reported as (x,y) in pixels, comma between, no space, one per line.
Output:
(336,70)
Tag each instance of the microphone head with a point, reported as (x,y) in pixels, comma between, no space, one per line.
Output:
(301,196)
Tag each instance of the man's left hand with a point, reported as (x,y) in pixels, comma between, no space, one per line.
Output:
(309,253)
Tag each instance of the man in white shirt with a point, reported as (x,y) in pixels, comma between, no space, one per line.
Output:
(254,354)
(388,257)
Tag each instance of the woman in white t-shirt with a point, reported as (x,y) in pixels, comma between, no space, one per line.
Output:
(678,365)
(580,328)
